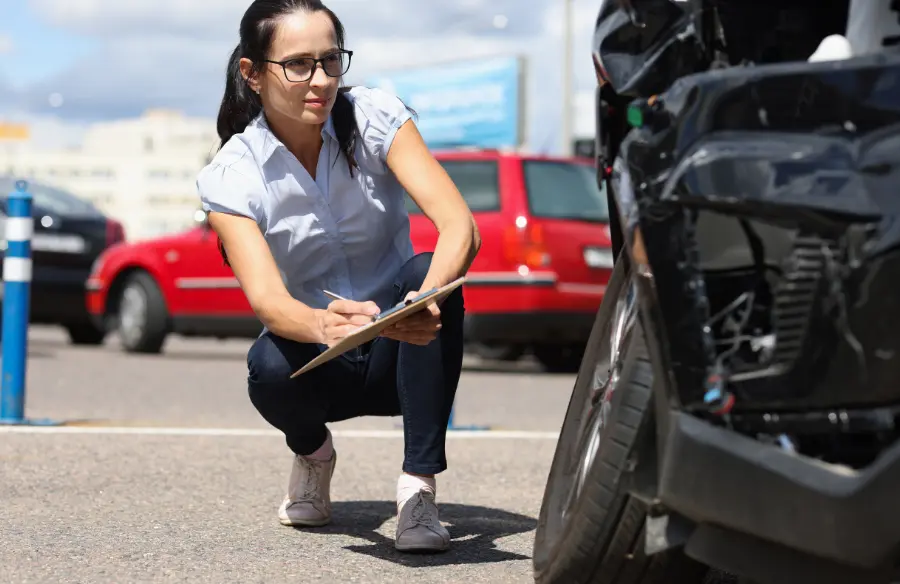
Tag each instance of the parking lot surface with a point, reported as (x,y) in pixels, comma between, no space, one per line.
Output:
(162,471)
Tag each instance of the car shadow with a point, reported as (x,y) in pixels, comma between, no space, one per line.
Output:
(47,344)
(474,531)
(188,355)
(510,367)
(505,367)
(37,351)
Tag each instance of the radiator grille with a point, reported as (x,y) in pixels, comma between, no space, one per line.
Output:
(796,294)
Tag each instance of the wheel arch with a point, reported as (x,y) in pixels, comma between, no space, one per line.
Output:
(114,295)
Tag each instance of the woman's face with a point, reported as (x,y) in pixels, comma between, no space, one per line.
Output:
(289,90)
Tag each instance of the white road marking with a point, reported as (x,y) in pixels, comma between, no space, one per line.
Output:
(241,432)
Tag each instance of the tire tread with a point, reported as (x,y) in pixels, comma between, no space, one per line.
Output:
(604,544)
(157,315)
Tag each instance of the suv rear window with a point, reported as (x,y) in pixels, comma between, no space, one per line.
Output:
(564,190)
(477,180)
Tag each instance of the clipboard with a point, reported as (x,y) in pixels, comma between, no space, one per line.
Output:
(369,331)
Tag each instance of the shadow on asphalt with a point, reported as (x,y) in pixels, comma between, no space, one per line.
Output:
(502,368)
(470,364)
(474,530)
(182,355)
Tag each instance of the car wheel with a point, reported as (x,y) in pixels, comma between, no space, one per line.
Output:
(590,530)
(85,334)
(559,358)
(142,319)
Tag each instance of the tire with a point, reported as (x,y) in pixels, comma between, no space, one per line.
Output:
(595,535)
(559,358)
(85,334)
(142,321)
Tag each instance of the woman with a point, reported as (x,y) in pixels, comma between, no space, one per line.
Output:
(306,194)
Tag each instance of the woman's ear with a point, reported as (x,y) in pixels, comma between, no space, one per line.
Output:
(250,77)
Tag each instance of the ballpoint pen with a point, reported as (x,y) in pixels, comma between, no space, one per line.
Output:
(334,296)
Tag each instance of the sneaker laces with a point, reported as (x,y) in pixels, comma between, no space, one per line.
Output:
(310,492)
(421,513)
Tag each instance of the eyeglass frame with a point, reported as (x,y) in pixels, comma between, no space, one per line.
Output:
(315,65)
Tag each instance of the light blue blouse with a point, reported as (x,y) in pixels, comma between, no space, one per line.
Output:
(346,234)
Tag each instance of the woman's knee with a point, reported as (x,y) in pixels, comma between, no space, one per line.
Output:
(412,274)
(272,360)
(454,307)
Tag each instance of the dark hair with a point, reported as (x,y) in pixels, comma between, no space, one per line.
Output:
(241,105)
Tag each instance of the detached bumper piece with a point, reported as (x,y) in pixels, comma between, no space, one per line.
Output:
(761,209)
(777,516)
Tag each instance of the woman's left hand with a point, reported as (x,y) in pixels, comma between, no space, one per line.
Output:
(417,329)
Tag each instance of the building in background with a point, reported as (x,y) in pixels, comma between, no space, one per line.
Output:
(143,171)
(140,171)
(584,123)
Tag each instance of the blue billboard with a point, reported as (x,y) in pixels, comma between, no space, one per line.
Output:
(472,103)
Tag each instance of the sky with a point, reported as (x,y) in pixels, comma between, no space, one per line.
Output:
(67,63)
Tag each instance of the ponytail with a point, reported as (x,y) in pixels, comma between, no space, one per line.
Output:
(240,105)
(343,116)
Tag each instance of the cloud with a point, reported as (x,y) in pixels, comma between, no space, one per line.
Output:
(171,53)
(6,44)
(216,18)
(136,73)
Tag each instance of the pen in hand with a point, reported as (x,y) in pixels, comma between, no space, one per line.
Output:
(334,296)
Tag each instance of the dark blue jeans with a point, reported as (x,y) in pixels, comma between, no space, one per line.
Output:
(382,378)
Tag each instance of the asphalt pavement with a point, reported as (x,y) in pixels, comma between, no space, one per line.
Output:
(162,471)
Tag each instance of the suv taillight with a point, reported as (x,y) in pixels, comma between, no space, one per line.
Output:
(115,232)
(523,245)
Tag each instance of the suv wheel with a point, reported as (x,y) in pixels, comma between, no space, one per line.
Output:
(590,530)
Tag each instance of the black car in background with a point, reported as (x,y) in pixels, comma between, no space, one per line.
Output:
(69,234)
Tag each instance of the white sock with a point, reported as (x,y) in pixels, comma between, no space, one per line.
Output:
(408,485)
(325,451)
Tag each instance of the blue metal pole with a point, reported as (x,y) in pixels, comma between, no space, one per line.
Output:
(16,304)
(451,425)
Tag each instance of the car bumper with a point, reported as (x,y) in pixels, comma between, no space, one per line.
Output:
(57,306)
(58,296)
(507,307)
(529,327)
(805,513)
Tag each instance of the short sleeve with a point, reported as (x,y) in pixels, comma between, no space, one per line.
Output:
(225,190)
(379,115)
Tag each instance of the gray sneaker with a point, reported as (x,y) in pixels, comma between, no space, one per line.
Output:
(308,500)
(418,526)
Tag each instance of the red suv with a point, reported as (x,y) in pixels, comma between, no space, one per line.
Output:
(545,257)
(536,283)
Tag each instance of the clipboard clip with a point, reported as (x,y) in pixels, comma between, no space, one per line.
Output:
(401,305)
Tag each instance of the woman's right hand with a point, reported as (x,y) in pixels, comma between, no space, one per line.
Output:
(342,317)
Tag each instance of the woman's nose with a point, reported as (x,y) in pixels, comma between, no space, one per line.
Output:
(319,78)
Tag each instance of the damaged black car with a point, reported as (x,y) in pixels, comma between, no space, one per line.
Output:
(735,416)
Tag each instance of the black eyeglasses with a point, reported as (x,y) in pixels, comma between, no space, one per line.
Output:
(303,68)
